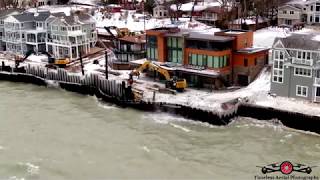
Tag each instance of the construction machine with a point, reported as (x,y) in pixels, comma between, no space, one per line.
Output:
(121,32)
(51,61)
(172,83)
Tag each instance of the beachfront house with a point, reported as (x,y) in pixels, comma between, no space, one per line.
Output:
(3,15)
(296,67)
(60,35)
(68,36)
(206,60)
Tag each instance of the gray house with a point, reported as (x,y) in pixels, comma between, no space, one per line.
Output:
(60,35)
(296,67)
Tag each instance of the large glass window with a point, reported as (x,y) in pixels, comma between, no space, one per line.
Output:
(174,49)
(277,73)
(152,50)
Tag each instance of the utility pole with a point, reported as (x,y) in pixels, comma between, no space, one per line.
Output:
(81,62)
(106,63)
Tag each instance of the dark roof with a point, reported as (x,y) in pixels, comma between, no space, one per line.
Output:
(24,17)
(38,16)
(138,39)
(41,16)
(301,41)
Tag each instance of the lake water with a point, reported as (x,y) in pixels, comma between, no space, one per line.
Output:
(48,133)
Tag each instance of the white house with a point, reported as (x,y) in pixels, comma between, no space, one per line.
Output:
(160,11)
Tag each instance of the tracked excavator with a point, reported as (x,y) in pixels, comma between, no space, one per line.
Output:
(62,63)
(172,83)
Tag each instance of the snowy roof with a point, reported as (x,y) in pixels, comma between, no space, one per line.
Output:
(249,21)
(200,6)
(306,41)
(252,50)
(7,12)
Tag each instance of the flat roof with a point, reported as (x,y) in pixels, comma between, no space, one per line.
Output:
(252,50)
(200,36)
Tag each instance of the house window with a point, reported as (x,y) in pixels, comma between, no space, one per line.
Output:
(317,7)
(291,12)
(304,57)
(284,12)
(302,72)
(311,19)
(245,62)
(302,91)
(217,61)
(277,72)
(311,8)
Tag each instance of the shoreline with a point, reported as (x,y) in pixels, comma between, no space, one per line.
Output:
(289,119)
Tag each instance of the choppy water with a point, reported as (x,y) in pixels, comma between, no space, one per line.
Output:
(48,133)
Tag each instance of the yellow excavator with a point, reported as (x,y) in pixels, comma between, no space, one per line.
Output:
(172,83)
(62,63)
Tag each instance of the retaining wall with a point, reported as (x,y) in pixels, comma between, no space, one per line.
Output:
(290,119)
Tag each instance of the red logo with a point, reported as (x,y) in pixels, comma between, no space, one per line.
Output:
(286,167)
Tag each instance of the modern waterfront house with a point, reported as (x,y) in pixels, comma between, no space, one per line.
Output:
(60,35)
(296,67)
(207,60)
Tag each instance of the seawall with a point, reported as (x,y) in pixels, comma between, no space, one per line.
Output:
(113,93)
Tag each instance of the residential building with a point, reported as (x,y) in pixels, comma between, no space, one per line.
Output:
(289,15)
(71,35)
(60,35)
(210,15)
(207,60)
(297,12)
(127,49)
(45,2)
(3,15)
(160,11)
(296,67)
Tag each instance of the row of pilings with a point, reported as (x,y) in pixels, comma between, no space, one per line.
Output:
(290,119)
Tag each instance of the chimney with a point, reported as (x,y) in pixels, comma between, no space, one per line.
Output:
(76,18)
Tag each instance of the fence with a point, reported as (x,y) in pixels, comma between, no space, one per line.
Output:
(108,87)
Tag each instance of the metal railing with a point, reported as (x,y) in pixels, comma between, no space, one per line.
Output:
(302,61)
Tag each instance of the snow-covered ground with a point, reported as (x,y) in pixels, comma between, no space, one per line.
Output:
(256,93)
(134,23)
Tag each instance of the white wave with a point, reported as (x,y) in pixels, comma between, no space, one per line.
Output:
(145,148)
(15,178)
(53,84)
(180,127)
(31,168)
(165,118)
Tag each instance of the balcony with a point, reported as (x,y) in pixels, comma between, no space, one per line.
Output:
(67,43)
(302,61)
